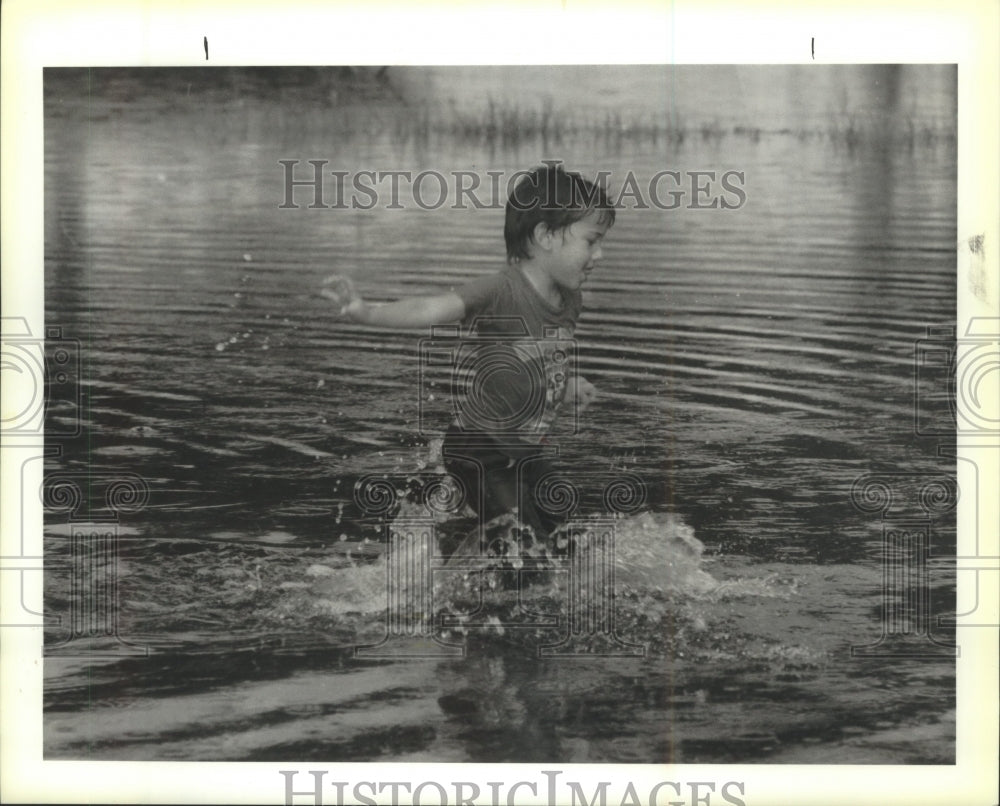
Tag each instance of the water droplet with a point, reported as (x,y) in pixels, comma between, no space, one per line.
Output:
(220,346)
(247,257)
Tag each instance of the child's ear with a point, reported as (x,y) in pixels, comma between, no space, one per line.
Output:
(541,235)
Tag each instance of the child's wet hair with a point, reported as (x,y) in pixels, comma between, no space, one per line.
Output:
(553,196)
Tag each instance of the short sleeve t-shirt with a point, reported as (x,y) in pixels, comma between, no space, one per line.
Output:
(508,294)
(519,353)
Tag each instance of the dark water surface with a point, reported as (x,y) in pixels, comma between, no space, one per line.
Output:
(753,364)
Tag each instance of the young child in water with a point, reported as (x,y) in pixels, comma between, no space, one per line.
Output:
(521,320)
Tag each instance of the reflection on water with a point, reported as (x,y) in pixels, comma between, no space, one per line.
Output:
(752,364)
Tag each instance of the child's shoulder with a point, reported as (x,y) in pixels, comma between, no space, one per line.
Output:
(507,293)
(488,289)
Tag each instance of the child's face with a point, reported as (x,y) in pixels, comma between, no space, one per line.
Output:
(576,249)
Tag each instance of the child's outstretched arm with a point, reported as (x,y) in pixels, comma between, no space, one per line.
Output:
(411,312)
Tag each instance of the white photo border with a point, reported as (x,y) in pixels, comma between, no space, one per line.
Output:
(44,33)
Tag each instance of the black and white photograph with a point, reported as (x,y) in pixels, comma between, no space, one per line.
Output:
(503,414)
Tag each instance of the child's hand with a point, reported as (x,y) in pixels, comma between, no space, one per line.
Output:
(341,291)
(581,390)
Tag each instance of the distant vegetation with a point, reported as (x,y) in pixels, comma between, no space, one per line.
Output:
(232,104)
